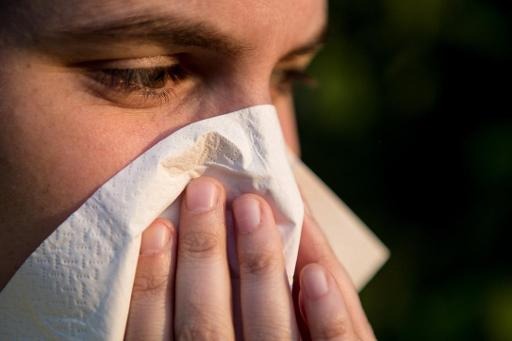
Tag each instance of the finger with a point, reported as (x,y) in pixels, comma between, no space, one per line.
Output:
(324,308)
(267,308)
(314,248)
(150,316)
(203,292)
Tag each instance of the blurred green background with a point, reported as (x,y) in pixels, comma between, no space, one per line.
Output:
(411,125)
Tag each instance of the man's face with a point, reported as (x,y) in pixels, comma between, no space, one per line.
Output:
(87,86)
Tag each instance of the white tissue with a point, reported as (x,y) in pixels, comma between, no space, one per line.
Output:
(78,283)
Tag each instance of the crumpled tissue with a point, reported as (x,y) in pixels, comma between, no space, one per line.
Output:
(78,282)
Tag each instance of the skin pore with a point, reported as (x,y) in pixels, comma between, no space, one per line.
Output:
(87,86)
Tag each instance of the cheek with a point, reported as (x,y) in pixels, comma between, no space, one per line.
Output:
(59,161)
(55,151)
(285,109)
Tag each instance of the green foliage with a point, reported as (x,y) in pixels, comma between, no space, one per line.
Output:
(411,125)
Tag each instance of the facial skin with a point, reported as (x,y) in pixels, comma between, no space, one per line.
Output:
(71,115)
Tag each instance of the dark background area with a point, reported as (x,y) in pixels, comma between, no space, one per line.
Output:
(411,125)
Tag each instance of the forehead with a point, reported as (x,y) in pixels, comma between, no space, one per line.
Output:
(277,24)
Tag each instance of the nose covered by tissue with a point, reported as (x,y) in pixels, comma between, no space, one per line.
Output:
(78,283)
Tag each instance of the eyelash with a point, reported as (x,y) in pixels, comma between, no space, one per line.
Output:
(148,82)
(285,79)
(151,83)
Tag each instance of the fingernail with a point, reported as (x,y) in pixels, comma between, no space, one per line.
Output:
(154,239)
(314,281)
(201,195)
(247,214)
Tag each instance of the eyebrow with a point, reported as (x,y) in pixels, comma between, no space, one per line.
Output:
(162,30)
(166,31)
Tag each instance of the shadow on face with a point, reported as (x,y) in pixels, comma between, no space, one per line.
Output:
(87,86)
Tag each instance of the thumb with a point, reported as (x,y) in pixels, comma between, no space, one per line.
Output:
(150,317)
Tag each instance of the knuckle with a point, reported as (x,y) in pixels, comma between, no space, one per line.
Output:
(259,263)
(150,284)
(199,244)
(272,332)
(200,331)
(333,329)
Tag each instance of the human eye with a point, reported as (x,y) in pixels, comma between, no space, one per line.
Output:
(284,79)
(138,83)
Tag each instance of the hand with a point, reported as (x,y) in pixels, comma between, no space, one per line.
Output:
(196,261)
(202,292)
(337,315)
